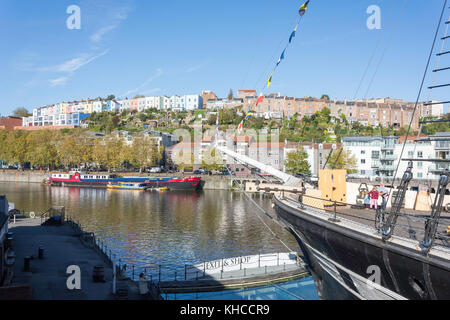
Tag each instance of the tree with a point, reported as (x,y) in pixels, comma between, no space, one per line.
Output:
(42,149)
(345,161)
(75,149)
(325,97)
(230,95)
(296,162)
(21,112)
(17,147)
(109,152)
(211,160)
(144,152)
(110,97)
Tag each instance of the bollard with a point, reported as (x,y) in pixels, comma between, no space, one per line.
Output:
(26,264)
(221,274)
(133,272)
(41,253)
(196,277)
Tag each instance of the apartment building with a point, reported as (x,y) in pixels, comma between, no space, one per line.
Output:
(380,156)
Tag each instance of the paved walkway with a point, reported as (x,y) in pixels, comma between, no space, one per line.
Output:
(62,248)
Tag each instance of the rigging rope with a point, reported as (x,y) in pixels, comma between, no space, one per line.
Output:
(257,215)
(373,54)
(438,61)
(418,96)
(385,50)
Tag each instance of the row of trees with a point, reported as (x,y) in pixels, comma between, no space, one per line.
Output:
(75,148)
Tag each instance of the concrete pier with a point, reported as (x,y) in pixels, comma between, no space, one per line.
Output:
(47,278)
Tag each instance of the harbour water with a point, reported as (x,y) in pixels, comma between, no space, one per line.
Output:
(151,229)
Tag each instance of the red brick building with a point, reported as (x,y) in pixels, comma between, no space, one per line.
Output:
(10,123)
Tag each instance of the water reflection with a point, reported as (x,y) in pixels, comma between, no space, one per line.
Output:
(148,229)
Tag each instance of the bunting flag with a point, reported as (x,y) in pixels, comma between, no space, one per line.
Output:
(303,8)
(269,81)
(301,12)
(292,35)
(281,58)
(260,99)
(240,126)
(217,125)
(249,115)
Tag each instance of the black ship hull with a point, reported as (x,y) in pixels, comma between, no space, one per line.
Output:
(343,260)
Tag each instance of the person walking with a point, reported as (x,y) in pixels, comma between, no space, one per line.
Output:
(374,198)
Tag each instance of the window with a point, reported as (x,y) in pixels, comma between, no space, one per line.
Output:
(420,164)
(410,154)
(419,154)
(363,171)
(419,175)
(363,151)
(363,161)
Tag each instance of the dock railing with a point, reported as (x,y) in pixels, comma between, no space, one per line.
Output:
(410,223)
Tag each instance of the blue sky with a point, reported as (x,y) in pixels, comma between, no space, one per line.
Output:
(170,47)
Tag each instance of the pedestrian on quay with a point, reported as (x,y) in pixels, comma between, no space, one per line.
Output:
(384,196)
(374,198)
(143,285)
(366,199)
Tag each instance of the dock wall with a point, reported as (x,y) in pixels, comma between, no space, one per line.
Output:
(211,182)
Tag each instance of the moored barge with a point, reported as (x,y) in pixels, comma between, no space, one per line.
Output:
(79,179)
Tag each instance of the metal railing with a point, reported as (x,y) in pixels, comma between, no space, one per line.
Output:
(408,223)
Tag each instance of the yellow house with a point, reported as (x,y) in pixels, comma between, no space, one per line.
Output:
(63,108)
(89,106)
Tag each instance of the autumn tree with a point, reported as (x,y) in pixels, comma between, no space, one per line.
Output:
(342,159)
(109,152)
(74,149)
(297,163)
(144,152)
(42,151)
(17,147)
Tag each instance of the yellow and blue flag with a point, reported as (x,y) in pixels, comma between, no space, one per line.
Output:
(269,81)
(249,115)
(303,8)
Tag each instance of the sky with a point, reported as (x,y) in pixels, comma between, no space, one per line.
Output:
(152,47)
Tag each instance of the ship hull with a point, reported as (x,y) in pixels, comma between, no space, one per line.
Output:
(343,262)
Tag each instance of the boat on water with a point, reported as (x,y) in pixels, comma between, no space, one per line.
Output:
(127,186)
(80,179)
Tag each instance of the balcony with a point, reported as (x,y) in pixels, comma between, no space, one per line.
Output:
(388,157)
(390,167)
(437,168)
